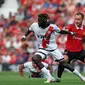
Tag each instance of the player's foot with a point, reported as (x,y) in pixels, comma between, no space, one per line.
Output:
(83,78)
(57,79)
(50,81)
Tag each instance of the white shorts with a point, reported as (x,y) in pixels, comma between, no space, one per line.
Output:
(56,54)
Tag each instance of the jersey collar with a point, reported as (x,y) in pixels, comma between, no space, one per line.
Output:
(78,27)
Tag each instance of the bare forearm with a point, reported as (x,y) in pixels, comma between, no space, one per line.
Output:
(64,32)
(21,70)
(21,73)
(28,32)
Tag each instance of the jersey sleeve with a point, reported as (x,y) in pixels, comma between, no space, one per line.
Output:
(56,28)
(26,65)
(45,64)
(31,27)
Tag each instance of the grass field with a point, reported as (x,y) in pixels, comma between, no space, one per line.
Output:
(13,78)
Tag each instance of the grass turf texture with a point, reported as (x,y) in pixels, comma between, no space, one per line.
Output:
(13,78)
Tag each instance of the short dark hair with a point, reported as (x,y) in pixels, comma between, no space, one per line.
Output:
(43,20)
(43,17)
(80,13)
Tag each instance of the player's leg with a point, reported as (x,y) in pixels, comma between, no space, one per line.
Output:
(37,60)
(39,55)
(59,73)
(59,57)
(61,69)
(82,56)
(69,67)
(76,55)
(67,58)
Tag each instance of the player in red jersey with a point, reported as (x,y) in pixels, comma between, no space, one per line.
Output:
(75,44)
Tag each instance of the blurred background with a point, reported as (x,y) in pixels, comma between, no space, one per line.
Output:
(17,15)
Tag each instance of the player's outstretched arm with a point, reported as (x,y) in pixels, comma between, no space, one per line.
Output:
(21,70)
(66,32)
(26,34)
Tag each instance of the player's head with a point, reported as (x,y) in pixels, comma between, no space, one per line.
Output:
(79,17)
(43,20)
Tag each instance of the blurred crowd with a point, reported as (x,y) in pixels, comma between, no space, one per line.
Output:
(12,50)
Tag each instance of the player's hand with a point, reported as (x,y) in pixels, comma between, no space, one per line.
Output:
(74,33)
(21,70)
(21,74)
(23,38)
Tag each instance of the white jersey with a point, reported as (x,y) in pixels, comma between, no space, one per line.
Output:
(41,34)
(31,69)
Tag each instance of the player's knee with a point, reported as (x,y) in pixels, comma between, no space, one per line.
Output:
(66,58)
(36,58)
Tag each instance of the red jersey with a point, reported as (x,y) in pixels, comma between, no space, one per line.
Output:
(74,43)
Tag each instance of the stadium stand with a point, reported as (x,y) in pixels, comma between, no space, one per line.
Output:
(12,50)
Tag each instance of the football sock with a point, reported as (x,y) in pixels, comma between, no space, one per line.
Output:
(77,73)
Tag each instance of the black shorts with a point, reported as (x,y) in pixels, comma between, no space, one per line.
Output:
(75,55)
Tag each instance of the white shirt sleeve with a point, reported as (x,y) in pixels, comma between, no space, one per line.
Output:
(26,65)
(45,64)
(32,26)
(56,28)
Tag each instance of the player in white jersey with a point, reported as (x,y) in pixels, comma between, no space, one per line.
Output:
(33,70)
(45,33)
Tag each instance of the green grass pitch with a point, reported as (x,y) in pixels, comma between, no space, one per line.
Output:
(13,78)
